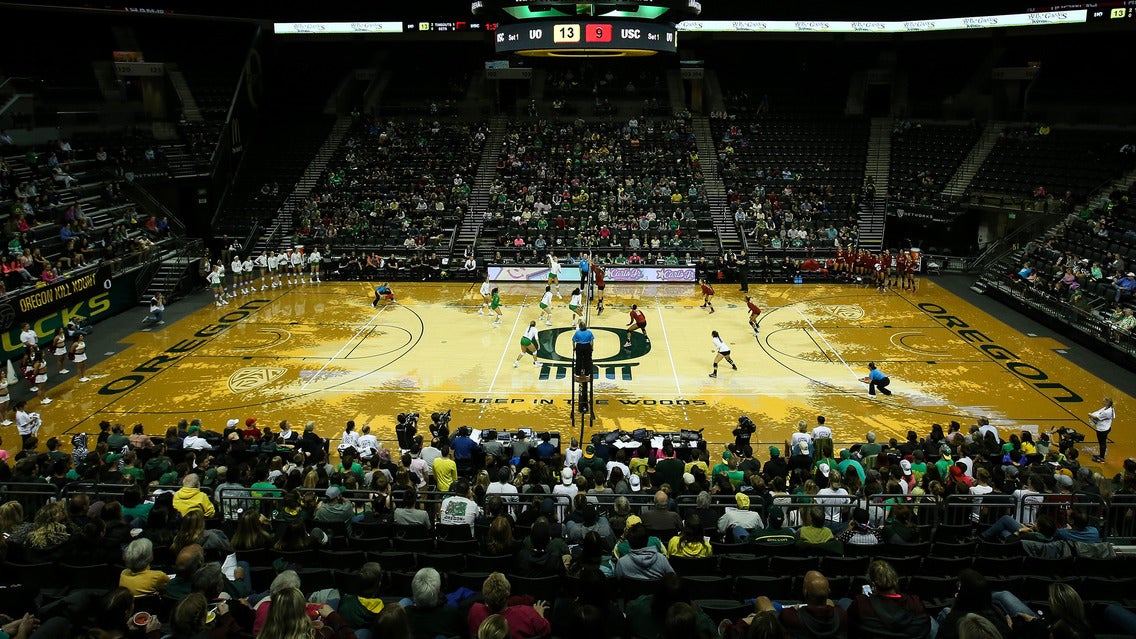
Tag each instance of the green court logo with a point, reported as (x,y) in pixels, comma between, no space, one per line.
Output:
(559,366)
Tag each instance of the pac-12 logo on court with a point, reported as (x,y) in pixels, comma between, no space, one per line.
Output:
(253,377)
(608,340)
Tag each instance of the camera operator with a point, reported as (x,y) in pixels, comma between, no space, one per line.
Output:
(746,428)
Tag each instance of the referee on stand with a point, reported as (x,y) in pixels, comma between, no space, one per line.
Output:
(582,341)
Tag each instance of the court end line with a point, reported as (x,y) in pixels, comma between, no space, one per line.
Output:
(504,353)
(825,340)
(670,355)
(345,345)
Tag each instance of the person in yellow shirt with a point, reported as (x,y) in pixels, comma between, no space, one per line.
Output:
(137,576)
(190,497)
(690,542)
(445,469)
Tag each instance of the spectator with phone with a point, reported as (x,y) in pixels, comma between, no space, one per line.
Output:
(880,611)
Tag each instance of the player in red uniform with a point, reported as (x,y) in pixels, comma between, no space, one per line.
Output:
(638,322)
(909,280)
(899,271)
(599,271)
(707,295)
(838,261)
(754,311)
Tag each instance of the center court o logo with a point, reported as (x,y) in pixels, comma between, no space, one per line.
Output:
(620,363)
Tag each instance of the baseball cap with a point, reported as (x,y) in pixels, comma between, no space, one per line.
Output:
(632,520)
(774,451)
(333,492)
(1131,274)
(945,451)
(1064,481)
(687,478)
(906,466)
(824,469)
(193,429)
(775,512)
(566,476)
(1010,470)
(634,482)
(232,423)
(725,454)
(251,421)
(845,453)
(589,451)
(742,499)
(803,448)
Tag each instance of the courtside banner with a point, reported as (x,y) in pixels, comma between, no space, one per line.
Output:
(612,273)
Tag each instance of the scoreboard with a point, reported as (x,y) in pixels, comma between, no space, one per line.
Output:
(579,38)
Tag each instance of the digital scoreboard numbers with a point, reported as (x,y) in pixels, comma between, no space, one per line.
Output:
(598,33)
(552,38)
(566,33)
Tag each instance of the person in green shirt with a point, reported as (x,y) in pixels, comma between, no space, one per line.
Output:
(131,468)
(360,606)
(134,509)
(944,464)
(118,438)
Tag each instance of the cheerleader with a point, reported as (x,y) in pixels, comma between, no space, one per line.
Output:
(261,263)
(246,267)
(722,352)
(79,350)
(40,366)
(215,280)
(5,396)
(314,265)
(59,349)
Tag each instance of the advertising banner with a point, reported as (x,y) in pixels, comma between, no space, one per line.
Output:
(622,273)
(95,295)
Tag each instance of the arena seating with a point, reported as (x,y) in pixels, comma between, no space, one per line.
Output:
(809,166)
(394,181)
(624,190)
(928,536)
(924,156)
(1042,162)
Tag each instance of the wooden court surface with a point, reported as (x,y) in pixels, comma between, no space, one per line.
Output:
(322,353)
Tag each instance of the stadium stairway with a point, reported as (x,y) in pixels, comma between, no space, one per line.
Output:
(189,109)
(960,181)
(877,169)
(1123,183)
(729,240)
(469,230)
(279,232)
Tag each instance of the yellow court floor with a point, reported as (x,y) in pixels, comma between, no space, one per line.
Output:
(321,352)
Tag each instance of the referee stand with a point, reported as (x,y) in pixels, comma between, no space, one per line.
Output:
(583,397)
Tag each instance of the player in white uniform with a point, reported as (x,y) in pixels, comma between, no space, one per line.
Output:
(576,304)
(546,306)
(261,263)
(722,351)
(298,265)
(554,269)
(486,295)
(286,267)
(273,269)
(215,280)
(248,285)
(237,267)
(530,343)
(314,265)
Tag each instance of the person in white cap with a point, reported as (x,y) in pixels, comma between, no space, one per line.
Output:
(1124,286)
(564,492)
(635,483)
